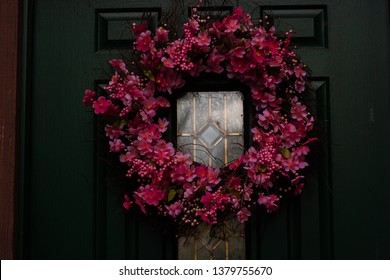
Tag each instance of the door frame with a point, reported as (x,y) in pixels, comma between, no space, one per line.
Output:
(10,83)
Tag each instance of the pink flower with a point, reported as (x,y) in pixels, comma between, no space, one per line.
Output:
(232,25)
(247,192)
(119,64)
(183,158)
(213,176)
(127,204)
(89,97)
(298,111)
(203,39)
(101,105)
(243,215)
(299,72)
(236,163)
(139,28)
(162,125)
(299,86)
(239,64)
(238,52)
(234,183)
(168,62)
(151,195)
(144,42)
(258,55)
(174,209)
(162,35)
(116,145)
(207,200)
(214,61)
(131,154)
(268,201)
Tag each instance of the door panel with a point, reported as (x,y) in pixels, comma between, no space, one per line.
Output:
(71,206)
(342,210)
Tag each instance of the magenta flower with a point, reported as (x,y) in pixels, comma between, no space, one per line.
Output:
(127,204)
(101,105)
(298,111)
(144,42)
(269,201)
(162,35)
(243,215)
(240,65)
(300,86)
(174,209)
(203,39)
(89,97)
(116,145)
(151,195)
(119,64)
(232,25)
(299,72)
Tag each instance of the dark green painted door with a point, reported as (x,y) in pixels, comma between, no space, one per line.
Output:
(69,206)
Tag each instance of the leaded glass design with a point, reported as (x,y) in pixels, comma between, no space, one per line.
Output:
(210,126)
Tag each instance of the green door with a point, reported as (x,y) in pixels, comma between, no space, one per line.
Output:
(69,207)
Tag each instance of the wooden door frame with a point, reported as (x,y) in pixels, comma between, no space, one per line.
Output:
(10,54)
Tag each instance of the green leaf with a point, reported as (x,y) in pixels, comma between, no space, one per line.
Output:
(119,123)
(171,194)
(149,74)
(285,152)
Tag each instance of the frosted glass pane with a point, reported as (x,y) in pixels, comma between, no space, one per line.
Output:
(235,147)
(185,107)
(210,125)
(235,111)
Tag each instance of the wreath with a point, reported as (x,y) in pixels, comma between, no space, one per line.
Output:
(166,181)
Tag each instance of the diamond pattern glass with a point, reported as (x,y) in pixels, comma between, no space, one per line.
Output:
(210,126)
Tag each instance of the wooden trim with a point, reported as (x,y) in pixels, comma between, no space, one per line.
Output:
(9,87)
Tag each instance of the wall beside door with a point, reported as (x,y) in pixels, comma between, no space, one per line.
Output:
(10,86)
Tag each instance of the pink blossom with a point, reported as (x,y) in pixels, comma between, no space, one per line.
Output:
(162,125)
(152,195)
(258,55)
(203,39)
(127,204)
(238,52)
(298,111)
(247,192)
(131,154)
(243,215)
(144,41)
(269,201)
(183,158)
(101,105)
(236,164)
(213,176)
(162,35)
(168,62)
(139,28)
(299,72)
(232,25)
(116,145)
(119,64)
(240,65)
(300,86)
(234,183)
(174,209)
(89,97)
(207,200)
(214,61)
(143,147)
